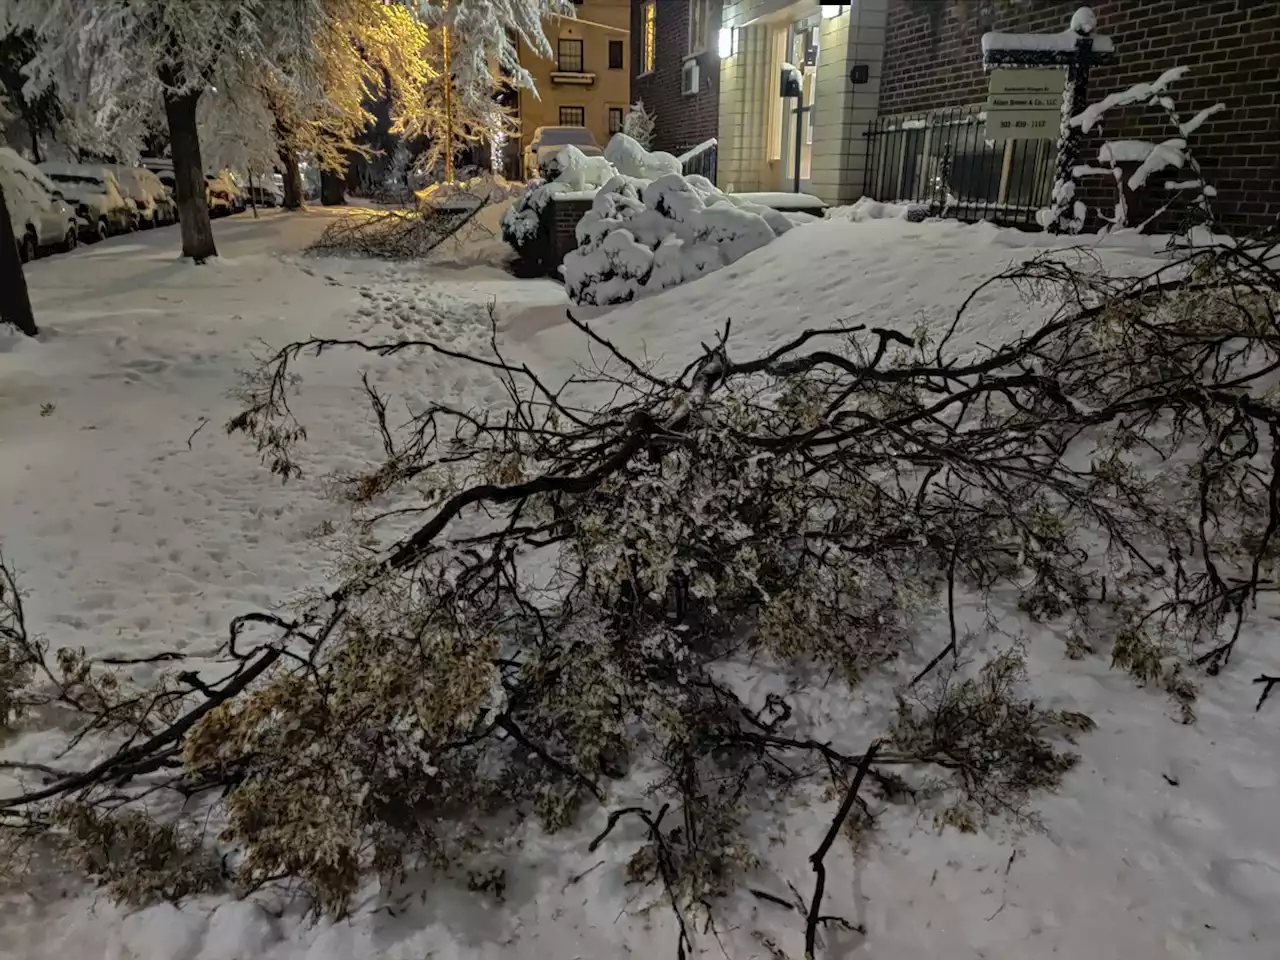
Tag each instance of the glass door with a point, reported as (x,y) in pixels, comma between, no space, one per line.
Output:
(797,114)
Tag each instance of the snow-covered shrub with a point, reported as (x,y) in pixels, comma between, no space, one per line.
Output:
(638,124)
(486,186)
(630,158)
(644,236)
(649,228)
(573,171)
(1132,163)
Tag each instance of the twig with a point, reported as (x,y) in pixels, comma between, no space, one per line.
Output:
(819,866)
(1270,683)
(200,426)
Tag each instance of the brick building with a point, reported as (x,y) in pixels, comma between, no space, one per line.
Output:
(892,90)
(587,80)
(670,41)
(932,59)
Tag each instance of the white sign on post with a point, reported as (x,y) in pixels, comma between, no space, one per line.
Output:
(1025,104)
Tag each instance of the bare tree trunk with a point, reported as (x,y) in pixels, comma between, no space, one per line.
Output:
(188,175)
(292,180)
(332,188)
(15,303)
(35,146)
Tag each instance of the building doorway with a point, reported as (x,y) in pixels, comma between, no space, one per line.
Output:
(797,114)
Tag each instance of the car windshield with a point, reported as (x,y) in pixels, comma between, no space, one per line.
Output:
(562,136)
(80,180)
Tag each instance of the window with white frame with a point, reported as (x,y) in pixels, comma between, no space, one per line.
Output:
(699,26)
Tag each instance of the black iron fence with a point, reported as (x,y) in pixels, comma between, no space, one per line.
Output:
(942,159)
(701,160)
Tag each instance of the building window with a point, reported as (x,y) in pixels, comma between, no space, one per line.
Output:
(573,116)
(615,120)
(569,56)
(615,54)
(648,35)
(699,26)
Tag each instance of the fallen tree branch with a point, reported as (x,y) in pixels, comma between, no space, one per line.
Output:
(818,860)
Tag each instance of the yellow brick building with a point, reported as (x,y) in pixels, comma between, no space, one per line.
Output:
(587,81)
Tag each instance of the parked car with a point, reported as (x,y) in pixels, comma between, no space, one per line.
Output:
(225,197)
(267,195)
(546,142)
(97,196)
(41,220)
(154,205)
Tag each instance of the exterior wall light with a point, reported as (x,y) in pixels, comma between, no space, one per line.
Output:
(727,42)
(832,10)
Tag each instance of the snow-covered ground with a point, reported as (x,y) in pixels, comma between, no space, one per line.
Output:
(139,526)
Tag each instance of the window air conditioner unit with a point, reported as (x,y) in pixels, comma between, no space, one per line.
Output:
(689,77)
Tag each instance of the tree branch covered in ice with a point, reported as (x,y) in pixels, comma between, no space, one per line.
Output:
(587,587)
(1141,159)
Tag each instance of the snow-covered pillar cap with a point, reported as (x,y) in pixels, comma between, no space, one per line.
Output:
(1084,21)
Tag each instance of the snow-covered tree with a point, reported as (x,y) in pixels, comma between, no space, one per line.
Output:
(1132,163)
(638,124)
(307,64)
(39,114)
(117,63)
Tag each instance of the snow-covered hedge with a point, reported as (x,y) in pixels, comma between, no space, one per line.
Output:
(649,228)
(642,236)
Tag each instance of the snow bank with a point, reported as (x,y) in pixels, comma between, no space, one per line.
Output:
(867,209)
(641,236)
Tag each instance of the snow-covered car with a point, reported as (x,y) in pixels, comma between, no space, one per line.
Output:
(41,220)
(267,195)
(546,142)
(154,205)
(96,195)
(225,197)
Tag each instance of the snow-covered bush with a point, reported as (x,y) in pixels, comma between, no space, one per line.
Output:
(1132,163)
(644,236)
(649,228)
(573,172)
(630,158)
(638,124)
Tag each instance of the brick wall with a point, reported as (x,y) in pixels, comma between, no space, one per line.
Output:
(564,216)
(933,58)
(683,120)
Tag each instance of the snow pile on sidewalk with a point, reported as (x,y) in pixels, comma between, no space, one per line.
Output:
(864,208)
